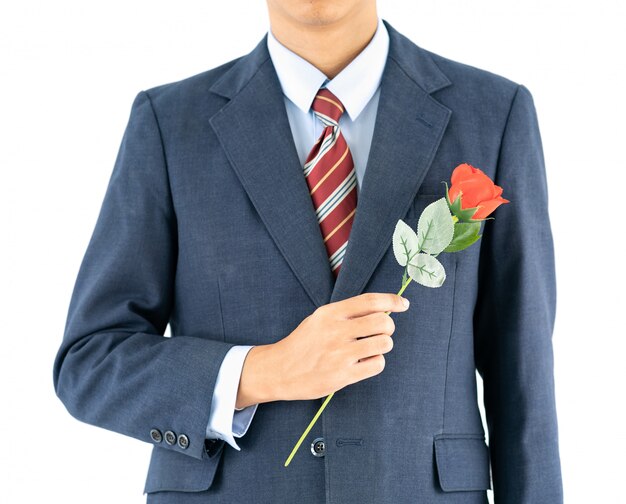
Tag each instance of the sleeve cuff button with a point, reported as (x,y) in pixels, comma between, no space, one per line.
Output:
(170,437)
(156,436)
(183,441)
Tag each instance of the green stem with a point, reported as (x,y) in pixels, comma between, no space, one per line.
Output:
(319,412)
(404,286)
(329,397)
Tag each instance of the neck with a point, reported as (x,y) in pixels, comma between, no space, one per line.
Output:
(329,47)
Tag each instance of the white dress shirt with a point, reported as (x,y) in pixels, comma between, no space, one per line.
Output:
(358,87)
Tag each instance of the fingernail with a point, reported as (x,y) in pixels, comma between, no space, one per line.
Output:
(406,302)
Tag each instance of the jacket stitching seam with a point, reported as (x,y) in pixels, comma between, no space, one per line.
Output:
(445,385)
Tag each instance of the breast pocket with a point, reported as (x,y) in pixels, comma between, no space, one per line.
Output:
(424,329)
(421,201)
(419,204)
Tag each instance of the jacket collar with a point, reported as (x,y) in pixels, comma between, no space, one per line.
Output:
(255,134)
(354,85)
(415,61)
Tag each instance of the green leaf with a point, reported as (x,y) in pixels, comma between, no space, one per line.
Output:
(427,271)
(435,227)
(404,242)
(465,234)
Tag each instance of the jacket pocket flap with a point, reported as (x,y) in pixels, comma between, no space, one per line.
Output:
(173,471)
(462,462)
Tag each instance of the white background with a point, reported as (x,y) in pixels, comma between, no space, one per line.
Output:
(69,71)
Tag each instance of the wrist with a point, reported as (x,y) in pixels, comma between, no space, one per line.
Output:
(256,384)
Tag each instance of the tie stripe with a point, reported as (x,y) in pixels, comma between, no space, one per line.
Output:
(330,100)
(327,144)
(331,178)
(331,202)
(329,172)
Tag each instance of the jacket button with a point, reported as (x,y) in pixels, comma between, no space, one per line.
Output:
(170,437)
(183,441)
(318,447)
(155,435)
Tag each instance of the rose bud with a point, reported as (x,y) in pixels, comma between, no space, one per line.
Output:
(477,195)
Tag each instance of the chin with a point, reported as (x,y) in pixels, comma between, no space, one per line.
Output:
(317,12)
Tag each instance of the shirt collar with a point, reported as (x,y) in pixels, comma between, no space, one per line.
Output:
(354,85)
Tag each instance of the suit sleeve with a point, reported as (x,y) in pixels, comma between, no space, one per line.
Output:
(115,368)
(514,320)
(227,422)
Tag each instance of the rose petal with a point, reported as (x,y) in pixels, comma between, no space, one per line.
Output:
(487,207)
(475,191)
(483,177)
(462,172)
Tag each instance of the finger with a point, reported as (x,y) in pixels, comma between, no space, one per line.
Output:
(370,302)
(369,366)
(368,325)
(368,347)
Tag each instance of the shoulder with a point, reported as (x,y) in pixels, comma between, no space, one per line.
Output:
(479,92)
(188,94)
(473,79)
(470,91)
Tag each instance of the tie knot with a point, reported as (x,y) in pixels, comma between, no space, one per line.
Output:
(327,107)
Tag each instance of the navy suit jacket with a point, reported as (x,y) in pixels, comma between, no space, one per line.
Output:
(207,224)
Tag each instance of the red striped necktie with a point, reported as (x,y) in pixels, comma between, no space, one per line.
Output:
(330,175)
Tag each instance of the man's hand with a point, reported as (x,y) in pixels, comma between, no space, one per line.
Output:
(338,344)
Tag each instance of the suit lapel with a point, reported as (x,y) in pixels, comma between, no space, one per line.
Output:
(409,126)
(254,132)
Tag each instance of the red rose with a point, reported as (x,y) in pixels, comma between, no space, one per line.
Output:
(476,190)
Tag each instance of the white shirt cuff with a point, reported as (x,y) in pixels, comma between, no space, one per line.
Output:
(225,421)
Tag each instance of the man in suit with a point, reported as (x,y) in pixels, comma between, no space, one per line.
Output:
(251,207)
